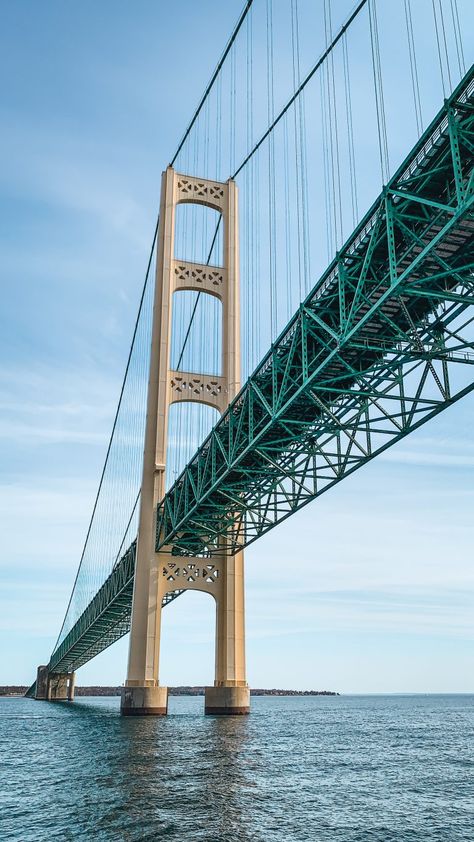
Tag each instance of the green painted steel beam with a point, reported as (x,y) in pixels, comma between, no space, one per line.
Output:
(105,620)
(384,342)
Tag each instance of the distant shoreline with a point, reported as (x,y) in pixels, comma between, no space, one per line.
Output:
(13,690)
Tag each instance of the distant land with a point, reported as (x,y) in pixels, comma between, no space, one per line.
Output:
(19,690)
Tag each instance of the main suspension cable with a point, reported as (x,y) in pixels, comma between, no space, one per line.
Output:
(301,87)
(213,79)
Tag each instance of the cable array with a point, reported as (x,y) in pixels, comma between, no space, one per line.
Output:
(297,109)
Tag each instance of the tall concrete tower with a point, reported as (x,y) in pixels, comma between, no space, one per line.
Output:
(156,574)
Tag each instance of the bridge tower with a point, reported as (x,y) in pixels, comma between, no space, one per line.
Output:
(156,574)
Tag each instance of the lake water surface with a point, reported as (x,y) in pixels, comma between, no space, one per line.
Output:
(345,769)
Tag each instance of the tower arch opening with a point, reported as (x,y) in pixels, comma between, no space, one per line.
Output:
(188,425)
(196,332)
(188,640)
(198,233)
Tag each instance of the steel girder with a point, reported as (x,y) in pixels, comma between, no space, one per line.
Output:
(384,342)
(105,620)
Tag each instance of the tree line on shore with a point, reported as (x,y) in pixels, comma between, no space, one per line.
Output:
(20,690)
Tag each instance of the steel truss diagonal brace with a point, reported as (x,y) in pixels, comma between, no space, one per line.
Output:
(382,344)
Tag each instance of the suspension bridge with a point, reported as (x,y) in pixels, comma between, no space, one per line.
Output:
(261,198)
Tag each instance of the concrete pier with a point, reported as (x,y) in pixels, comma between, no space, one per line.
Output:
(144,701)
(54,687)
(227,701)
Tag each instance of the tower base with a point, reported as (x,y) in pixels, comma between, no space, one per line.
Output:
(144,701)
(227,701)
(54,687)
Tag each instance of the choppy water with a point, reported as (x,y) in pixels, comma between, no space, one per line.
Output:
(345,769)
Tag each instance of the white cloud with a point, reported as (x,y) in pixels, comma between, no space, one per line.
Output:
(62,171)
(64,405)
(434,612)
(36,434)
(442,452)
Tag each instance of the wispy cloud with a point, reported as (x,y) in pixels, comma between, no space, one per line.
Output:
(58,171)
(454,453)
(63,405)
(37,434)
(438,612)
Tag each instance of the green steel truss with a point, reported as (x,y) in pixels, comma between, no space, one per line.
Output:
(384,342)
(105,620)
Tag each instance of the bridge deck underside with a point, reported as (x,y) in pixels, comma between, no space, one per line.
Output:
(384,342)
(375,350)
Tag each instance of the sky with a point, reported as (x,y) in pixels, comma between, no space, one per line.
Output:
(370,588)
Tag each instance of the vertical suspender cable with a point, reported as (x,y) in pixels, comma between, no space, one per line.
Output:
(338,201)
(271,171)
(458,37)
(250,277)
(300,151)
(443,30)
(298,165)
(326,168)
(413,67)
(286,179)
(350,131)
(378,88)
(439,47)
(331,144)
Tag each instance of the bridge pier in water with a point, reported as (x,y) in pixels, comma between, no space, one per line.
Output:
(159,574)
(54,687)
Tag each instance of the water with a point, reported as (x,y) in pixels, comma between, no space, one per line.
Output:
(345,769)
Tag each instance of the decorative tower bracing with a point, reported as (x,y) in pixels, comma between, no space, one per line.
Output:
(157,574)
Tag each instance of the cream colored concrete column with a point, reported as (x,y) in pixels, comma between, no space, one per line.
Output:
(143,662)
(230,625)
(230,694)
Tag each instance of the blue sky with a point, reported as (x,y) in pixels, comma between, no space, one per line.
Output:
(369,589)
